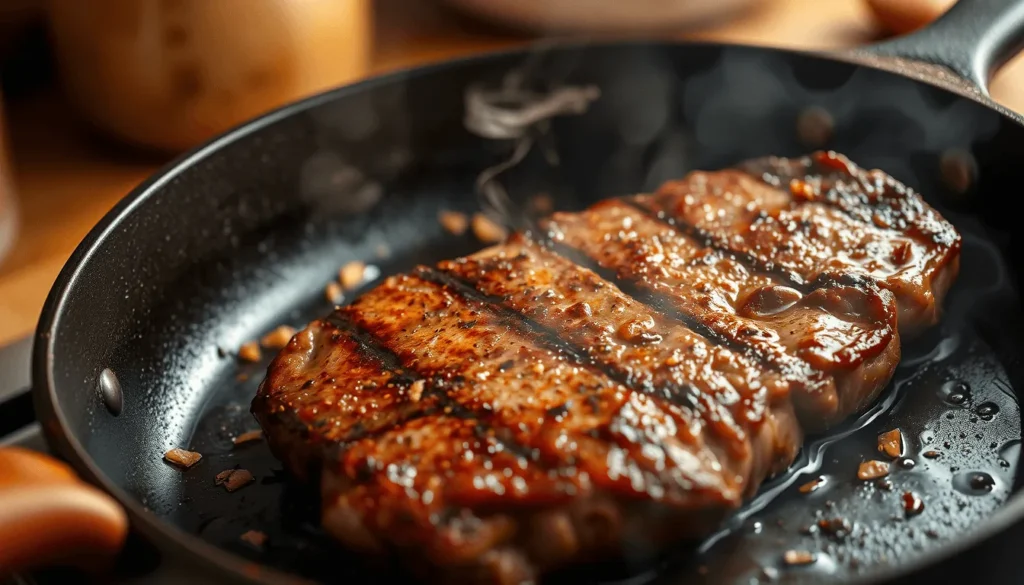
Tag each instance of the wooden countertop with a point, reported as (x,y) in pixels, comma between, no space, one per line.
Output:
(66,179)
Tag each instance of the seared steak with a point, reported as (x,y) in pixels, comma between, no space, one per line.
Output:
(620,382)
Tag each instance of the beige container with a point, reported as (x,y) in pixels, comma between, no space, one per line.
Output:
(8,210)
(172,73)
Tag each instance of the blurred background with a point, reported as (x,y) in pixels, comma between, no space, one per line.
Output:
(98,94)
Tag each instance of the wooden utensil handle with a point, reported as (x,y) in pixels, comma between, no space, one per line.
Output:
(49,517)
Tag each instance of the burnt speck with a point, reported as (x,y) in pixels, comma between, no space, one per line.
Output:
(931,533)
(795,558)
(838,528)
(557,411)
(182,458)
(931,454)
(812,485)
(234,479)
(255,538)
(872,470)
(248,437)
(884,484)
(912,504)
(891,443)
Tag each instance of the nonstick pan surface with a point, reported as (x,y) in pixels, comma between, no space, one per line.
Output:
(243,234)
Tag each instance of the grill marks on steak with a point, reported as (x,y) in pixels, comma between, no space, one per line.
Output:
(729,396)
(823,214)
(623,383)
(325,388)
(570,417)
(836,347)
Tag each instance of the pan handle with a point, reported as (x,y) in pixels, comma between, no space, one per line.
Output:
(973,39)
(49,517)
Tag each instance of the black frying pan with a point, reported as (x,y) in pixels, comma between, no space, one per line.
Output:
(242,234)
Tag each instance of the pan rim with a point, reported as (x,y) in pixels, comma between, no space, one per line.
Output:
(240,570)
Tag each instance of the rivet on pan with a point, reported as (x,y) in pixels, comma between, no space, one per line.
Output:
(959,170)
(110,391)
(814,126)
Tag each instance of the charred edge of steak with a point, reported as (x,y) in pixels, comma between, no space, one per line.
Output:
(682,396)
(788,277)
(288,437)
(294,440)
(857,192)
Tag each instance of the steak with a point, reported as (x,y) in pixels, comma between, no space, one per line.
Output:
(622,380)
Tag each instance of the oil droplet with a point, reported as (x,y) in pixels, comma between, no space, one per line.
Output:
(987,411)
(973,483)
(956,393)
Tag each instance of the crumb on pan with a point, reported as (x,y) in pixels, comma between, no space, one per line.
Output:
(812,485)
(798,557)
(486,230)
(242,377)
(383,252)
(351,275)
(250,352)
(334,293)
(542,203)
(891,443)
(234,479)
(254,537)
(912,504)
(278,338)
(453,222)
(872,470)
(182,458)
(247,437)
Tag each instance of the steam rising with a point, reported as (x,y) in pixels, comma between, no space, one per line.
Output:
(879,119)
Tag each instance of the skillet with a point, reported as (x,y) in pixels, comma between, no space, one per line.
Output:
(132,353)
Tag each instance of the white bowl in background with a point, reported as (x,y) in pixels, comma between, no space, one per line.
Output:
(600,16)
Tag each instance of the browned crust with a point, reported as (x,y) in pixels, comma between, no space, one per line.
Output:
(565,400)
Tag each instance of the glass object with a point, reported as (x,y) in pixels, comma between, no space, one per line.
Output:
(172,73)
